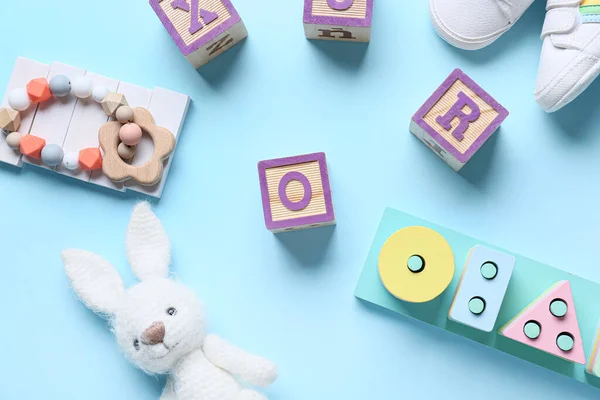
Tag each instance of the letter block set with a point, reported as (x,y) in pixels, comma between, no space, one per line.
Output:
(457,119)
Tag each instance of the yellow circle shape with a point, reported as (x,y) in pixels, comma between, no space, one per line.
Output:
(416,287)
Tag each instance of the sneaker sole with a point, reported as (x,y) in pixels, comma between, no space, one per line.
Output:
(582,84)
(461,43)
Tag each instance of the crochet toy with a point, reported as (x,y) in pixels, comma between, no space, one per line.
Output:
(159,323)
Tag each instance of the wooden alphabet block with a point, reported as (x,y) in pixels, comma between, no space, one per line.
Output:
(202,29)
(296,193)
(457,119)
(342,20)
(482,288)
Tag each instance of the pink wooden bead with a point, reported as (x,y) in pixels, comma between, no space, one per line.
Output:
(130,134)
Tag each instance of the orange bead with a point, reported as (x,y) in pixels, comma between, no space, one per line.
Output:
(39,90)
(90,159)
(32,146)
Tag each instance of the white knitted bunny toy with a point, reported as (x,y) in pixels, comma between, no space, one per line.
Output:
(159,323)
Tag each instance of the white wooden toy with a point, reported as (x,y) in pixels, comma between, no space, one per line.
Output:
(202,29)
(61,111)
(457,119)
(482,288)
(342,20)
(296,193)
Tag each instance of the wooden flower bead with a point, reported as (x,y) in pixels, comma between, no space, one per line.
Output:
(151,171)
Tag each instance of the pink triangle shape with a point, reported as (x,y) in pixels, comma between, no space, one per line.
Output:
(552,326)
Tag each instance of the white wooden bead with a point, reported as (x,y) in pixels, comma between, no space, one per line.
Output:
(71,161)
(99,93)
(82,87)
(18,99)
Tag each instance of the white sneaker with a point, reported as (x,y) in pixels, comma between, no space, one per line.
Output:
(474,24)
(570,53)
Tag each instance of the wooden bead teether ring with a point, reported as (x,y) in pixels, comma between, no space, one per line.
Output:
(148,173)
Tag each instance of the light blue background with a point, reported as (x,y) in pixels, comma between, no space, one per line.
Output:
(534,189)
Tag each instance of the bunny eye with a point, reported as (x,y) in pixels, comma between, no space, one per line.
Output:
(136,344)
(171,311)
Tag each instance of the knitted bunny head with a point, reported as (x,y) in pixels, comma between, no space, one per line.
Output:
(157,321)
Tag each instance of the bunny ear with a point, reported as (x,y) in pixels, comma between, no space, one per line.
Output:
(95,281)
(148,247)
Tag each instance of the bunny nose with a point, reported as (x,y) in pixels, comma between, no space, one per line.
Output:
(155,334)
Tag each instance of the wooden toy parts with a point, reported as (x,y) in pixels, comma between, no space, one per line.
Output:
(457,119)
(296,193)
(61,111)
(593,366)
(202,29)
(504,282)
(117,169)
(416,264)
(550,324)
(342,20)
(482,287)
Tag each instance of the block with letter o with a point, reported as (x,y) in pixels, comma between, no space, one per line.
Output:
(296,193)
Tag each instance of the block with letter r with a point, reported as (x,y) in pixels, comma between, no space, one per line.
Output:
(202,29)
(458,118)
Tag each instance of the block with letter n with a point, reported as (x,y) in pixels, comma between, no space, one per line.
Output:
(457,119)
(341,20)
(202,29)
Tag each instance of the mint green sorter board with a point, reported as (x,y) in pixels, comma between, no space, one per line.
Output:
(530,279)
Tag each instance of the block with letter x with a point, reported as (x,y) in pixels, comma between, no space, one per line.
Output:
(202,29)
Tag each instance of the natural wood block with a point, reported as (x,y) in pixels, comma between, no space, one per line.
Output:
(457,119)
(202,29)
(10,119)
(343,20)
(296,193)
